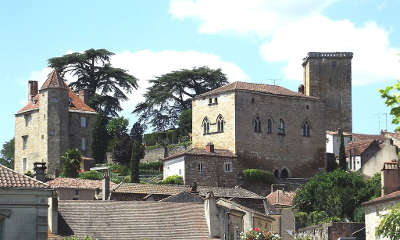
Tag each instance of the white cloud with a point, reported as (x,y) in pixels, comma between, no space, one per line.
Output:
(262,17)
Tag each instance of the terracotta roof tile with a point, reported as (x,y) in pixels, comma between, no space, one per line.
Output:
(54,81)
(77,183)
(387,197)
(133,220)
(77,104)
(359,147)
(11,179)
(161,189)
(281,198)
(254,87)
(203,152)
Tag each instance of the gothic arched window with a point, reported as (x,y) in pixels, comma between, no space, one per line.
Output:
(220,123)
(306,129)
(281,127)
(206,126)
(257,125)
(269,126)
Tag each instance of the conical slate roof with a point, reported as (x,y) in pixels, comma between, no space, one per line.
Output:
(54,81)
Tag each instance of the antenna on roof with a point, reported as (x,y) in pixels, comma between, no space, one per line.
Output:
(379,119)
(274,80)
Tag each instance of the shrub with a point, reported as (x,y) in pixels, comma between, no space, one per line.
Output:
(71,163)
(150,166)
(174,179)
(257,234)
(258,175)
(92,175)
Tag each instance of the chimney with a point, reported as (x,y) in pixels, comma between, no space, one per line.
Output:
(210,147)
(32,89)
(390,178)
(301,89)
(39,169)
(211,214)
(106,187)
(83,96)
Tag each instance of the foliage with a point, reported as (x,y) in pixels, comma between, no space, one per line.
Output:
(92,175)
(372,187)
(117,127)
(174,179)
(336,193)
(29,173)
(257,234)
(100,138)
(137,151)
(71,163)
(304,219)
(119,169)
(170,94)
(137,131)
(7,154)
(342,154)
(77,238)
(171,136)
(185,121)
(122,150)
(258,176)
(150,166)
(106,86)
(303,238)
(390,224)
(359,214)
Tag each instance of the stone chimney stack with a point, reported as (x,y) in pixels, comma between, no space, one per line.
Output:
(211,214)
(106,187)
(390,178)
(301,89)
(39,169)
(32,89)
(210,147)
(83,96)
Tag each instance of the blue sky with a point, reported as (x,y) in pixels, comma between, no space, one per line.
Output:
(250,40)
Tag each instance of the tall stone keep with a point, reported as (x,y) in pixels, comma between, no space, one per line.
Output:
(327,75)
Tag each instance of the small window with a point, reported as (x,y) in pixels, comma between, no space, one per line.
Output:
(228,166)
(252,100)
(216,100)
(83,122)
(276,173)
(76,196)
(257,125)
(284,173)
(83,144)
(206,126)
(52,132)
(27,120)
(220,123)
(210,101)
(306,129)
(180,171)
(53,100)
(307,107)
(24,164)
(24,141)
(281,127)
(269,126)
(200,167)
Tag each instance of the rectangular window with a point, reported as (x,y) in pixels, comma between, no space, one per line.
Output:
(83,122)
(27,120)
(24,164)
(200,167)
(24,141)
(83,144)
(228,166)
(180,171)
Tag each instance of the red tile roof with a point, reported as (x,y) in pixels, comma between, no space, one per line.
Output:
(359,147)
(387,197)
(281,198)
(11,179)
(254,87)
(54,81)
(77,183)
(203,152)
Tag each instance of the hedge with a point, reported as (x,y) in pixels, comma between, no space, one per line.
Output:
(93,175)
(174,179)
(258,176)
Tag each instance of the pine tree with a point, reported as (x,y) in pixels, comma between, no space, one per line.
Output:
(100,138)
(342,154)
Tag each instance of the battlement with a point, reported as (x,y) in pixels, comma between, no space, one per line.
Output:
(329,55)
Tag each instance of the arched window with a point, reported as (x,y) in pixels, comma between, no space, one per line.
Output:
(220,123)
(281,127)
(257,125)
(206,126)
(284,173)
(269,126)
(306,129)
(276,173)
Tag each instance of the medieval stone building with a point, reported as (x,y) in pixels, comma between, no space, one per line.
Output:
(54,120)
(267,126)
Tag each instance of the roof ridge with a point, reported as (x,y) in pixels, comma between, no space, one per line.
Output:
(23,175)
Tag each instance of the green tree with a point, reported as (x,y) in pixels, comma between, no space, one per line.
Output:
(120,144)
(390,224)
(185,121)
(170,94)
(117,127)
(137,151)
(71,163)
(337,193)
(100,138)
(7,154)
(106,86)
(342,154)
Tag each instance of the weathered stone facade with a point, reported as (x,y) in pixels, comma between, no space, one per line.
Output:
(50,124)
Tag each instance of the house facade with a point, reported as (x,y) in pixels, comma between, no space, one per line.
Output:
(54,120)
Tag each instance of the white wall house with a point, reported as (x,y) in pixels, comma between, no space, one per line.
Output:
(174,166)
(333,141)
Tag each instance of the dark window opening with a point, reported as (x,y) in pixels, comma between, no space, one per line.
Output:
(269,126)
(206,126)
(281,127)
(284,173)
(306,129)
(257,125)
(276,173)
(220,123)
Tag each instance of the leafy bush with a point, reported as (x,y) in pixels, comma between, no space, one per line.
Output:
(174,179)
(304,219)
(92,175)
(150,166)
(359,214)
(257,234)
(172,136)
(71,163)
(77,238)
(389,225)
(120,169)
(258,175)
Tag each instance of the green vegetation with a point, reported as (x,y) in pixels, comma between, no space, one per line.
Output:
(342,154)
(171,136)
(92,175)
(105,85)
(77,238)
(390,224)
(333,196)
(258,176)
(7,154)
(137,151)
(258,234)
(185,121)
(100,138)
(174,179)
(71,163)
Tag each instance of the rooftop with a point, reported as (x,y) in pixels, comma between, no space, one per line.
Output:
(254,87)
(11,179)
(388,197)
(203,152)
(77,183)
(281,198)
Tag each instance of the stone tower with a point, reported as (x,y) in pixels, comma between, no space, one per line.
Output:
(327,75)
(54,102)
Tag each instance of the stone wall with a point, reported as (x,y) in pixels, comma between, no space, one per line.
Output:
(330,231)
(76,132)
(154,155)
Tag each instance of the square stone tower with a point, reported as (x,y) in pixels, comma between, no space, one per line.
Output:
(327,75)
